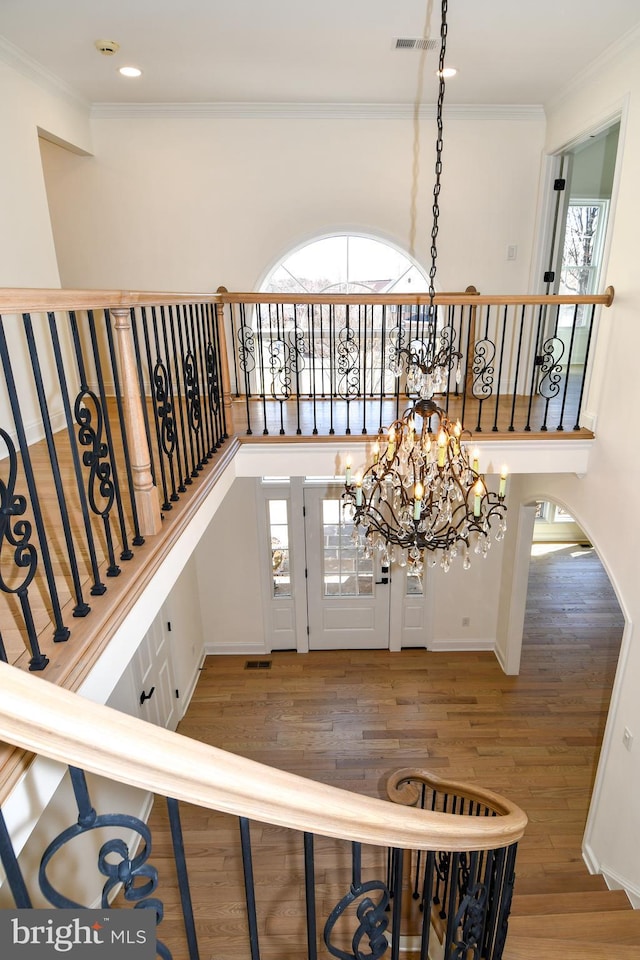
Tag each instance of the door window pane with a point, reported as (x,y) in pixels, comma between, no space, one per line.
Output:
(279,539)
(344,572)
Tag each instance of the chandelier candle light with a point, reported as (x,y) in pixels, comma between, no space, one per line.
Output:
(422,493)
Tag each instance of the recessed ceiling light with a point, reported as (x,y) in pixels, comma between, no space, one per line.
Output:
(447,72)
(130,71)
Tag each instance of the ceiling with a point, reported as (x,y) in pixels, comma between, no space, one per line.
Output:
(292,51)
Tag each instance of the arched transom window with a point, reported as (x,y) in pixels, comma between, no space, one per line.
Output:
(346,264)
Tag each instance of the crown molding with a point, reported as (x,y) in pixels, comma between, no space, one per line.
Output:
(309,111)
(612,53)
(21,62)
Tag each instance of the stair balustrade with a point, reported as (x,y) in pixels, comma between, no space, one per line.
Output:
(463,898)
(112,408)
(354,908)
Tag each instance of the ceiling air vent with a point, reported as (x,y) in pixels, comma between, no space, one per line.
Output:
(414,43)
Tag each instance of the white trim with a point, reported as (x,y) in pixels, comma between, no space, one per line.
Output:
(214,649)
(463,645)
(186,699)
(311,111)
(595,69)
(20,61)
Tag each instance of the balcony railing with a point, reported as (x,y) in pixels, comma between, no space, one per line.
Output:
(464,853)
(320,364)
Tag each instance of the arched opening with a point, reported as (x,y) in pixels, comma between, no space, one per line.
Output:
(346,263)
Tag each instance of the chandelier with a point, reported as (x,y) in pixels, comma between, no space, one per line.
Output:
(422,492)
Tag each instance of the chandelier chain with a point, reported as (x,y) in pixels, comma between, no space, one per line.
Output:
(439,146)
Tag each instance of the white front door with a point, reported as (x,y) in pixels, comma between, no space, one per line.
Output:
(348,596)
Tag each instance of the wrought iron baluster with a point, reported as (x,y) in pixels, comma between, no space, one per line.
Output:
(332,364)
(172,356)
(249,888)
(207,438)
(247,357)
(534,368)
(585,366)
(523,309)
(194,410)
(125,553)
(177,340)
(214,376)
(371,916)
(483,369)
(88,416)
(138,878)
(426,905)
(560,426)
(310,897)
(23,553)
(500,364)
(397,904)
(162,410)
(81,608)
(311,322)
(98,587)
(182,876)
(12,869)
(506,898)
(551,368)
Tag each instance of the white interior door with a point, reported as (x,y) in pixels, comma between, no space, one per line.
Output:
(348,597)
(154,673)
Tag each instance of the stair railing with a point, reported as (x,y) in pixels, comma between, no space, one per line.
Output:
(46,720)
(463,899)
(111,406)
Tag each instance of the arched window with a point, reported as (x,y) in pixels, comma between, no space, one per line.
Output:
(346,264)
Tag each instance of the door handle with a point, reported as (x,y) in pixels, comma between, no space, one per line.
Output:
(383,579)
(146,696)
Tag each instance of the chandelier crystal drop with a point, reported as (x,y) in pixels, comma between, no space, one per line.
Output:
(421,494)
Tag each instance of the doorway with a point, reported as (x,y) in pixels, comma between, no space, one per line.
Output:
(319,591)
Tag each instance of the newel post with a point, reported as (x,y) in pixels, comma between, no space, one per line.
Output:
(145,491)
(224,357)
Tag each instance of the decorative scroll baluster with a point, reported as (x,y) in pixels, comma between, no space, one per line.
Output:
(163,410)
(139,879)
(88,416)
(61,632)
(98,587)
(25,556)
(371,915)
(175,364)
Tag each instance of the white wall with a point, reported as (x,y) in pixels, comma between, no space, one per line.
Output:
(228,560)
(194,203)
(27,254)
(603,502)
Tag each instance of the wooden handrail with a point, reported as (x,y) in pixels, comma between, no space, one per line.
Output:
(45,719)
(23,300)
(402,788)
(419,299)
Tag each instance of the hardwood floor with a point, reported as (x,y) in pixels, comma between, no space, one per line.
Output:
(349,718)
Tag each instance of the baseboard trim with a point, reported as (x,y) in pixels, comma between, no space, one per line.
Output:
(612,879)
(186,699)
(240,649)
(461,644)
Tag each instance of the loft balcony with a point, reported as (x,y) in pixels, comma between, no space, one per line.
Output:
(122,411)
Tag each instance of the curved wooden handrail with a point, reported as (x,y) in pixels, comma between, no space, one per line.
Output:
(45,719)
(24,300)
(401,790)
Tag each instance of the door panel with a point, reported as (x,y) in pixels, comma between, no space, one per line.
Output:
(347,595)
